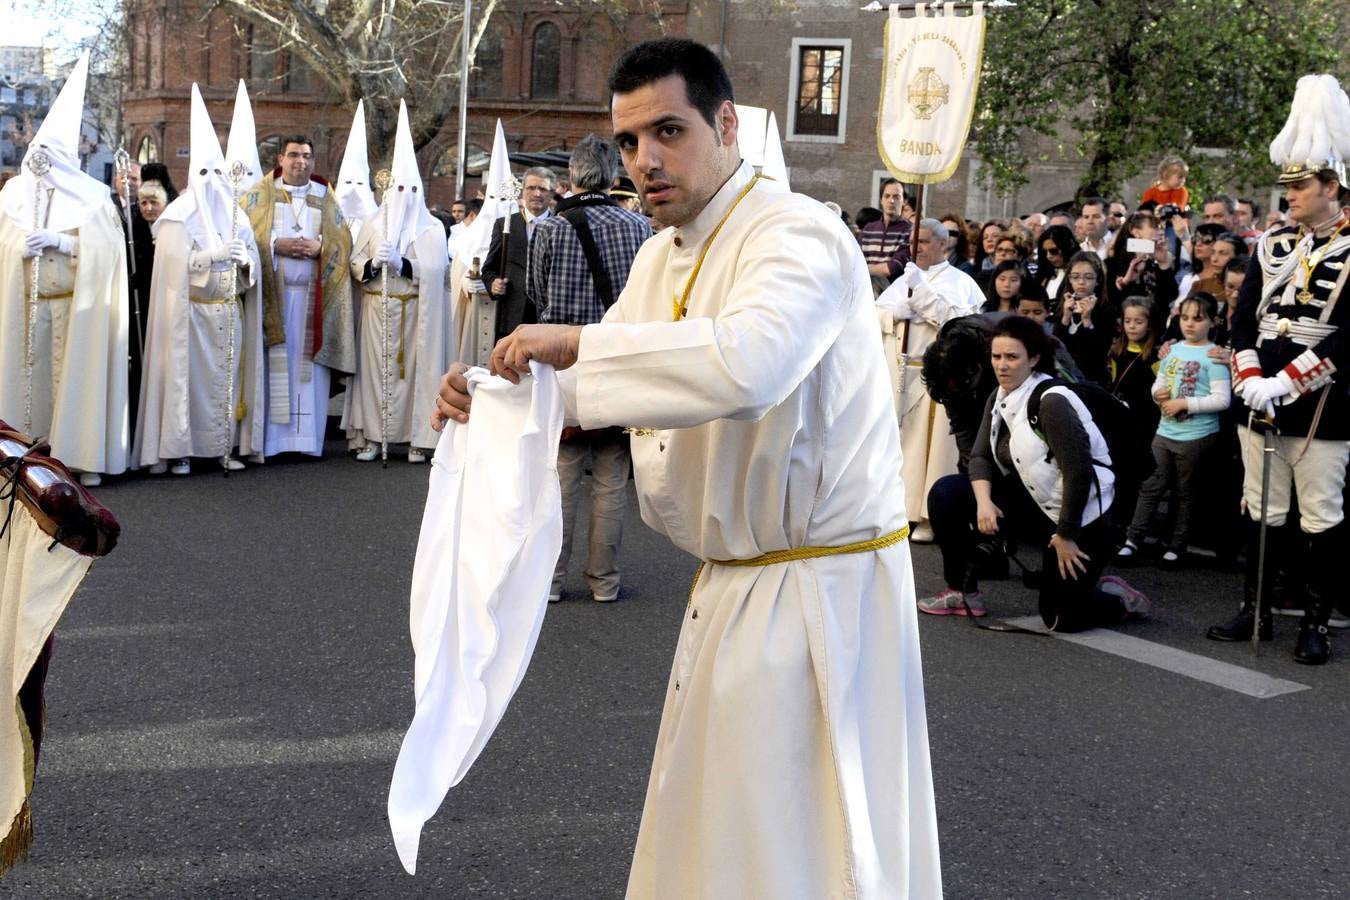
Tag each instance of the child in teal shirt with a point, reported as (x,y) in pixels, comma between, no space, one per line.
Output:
(1192,391)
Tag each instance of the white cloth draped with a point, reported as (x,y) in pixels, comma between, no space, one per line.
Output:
(37,580)
(792,759)
(491,532)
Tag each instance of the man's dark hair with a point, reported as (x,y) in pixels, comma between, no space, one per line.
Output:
(1094,201)
(1256,209)
(460,201)
(866,216)
(476,205)
(1228,202)
(1237,265)
(705,79)
(293,139)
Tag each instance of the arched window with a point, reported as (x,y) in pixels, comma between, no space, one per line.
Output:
(148,151)
(486,78)
(545,60)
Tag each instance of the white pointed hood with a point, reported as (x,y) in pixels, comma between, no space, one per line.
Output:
(243,142)
(496,205)
(74,195)
(405,201)
(354,196)
(774,165)
(205,207)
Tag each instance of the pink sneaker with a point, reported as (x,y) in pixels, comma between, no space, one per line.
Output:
(953,603)
(1135,602)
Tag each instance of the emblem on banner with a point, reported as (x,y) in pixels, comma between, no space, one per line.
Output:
(927,93)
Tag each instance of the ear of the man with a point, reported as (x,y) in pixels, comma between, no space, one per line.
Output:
(727,123)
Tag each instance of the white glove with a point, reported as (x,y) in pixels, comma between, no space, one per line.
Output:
(387,255)
(238,251)
(1260,394)
(912,276)
(220,254)
(474,286)
(40,239)
(886,318)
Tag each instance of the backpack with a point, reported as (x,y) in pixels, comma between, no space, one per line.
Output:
(1131,453)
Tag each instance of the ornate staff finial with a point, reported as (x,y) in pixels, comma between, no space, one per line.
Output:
(122,160)
(237,172)
(39,163)
(383,179)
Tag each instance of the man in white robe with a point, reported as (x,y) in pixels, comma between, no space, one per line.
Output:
(202,385)
(76,392)
(404,331)
(792,758)
(929,293)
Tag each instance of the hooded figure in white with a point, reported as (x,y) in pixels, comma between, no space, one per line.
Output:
(200,394)
(76,393)
(404,333)
(242,145)
(355,198)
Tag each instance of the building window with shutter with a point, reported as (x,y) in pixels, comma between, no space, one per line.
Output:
(819,89)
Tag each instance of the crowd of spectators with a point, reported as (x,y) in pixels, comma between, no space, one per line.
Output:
(1122,288)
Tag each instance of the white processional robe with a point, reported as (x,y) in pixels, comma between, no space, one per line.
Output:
(474,329)
(79,387)
(792,758)
(418,337)
(910,321)
(306,380)
(189,404)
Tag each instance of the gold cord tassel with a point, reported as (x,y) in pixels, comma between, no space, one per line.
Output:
(16,843)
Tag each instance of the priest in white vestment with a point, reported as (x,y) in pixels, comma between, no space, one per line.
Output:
(202,385)
(76,392)
(404,315)
(309,326)
(792,758)
(927,295)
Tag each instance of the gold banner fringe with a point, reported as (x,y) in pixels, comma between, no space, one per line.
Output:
(16,843)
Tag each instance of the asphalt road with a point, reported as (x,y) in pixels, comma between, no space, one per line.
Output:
(231,685)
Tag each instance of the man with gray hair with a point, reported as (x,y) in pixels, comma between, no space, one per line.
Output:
(928,294)
(505,275)
(579,262)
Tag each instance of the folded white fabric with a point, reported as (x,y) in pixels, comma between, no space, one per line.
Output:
(491,534)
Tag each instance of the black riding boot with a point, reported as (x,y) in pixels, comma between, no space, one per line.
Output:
(1239,628)
(1314,645)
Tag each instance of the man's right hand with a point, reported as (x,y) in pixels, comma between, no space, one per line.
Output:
(499,287)
(453,400)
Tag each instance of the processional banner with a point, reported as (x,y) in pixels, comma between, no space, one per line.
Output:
(929,77)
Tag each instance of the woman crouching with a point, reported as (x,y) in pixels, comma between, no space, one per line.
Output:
(1047,482)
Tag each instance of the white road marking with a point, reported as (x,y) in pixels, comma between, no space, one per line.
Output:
(1192,665)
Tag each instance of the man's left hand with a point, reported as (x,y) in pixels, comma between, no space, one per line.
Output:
(556,345)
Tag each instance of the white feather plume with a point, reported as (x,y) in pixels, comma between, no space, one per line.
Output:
(1318,127)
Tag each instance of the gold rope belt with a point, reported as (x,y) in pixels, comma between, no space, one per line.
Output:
(402,298)
(774,557)
(66,296)
(214,299)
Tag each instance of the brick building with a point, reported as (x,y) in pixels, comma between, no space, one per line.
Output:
(541,68)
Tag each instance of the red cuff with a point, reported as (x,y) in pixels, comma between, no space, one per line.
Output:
(1246,364)
(1308,372)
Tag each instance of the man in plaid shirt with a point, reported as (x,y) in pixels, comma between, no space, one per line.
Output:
(579,262)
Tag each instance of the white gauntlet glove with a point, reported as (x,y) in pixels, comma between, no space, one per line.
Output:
(238,251)
(40,239)
(474,285)
(1260,394)
(387,255)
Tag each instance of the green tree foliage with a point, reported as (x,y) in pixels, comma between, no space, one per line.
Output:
(1121,83)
